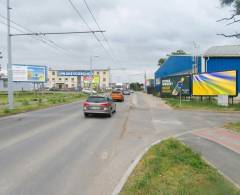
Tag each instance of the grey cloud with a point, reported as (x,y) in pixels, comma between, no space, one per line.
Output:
(139,31)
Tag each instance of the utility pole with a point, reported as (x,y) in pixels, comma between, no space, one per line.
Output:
(0,64)
(91,70)
(145,81)
(9,63)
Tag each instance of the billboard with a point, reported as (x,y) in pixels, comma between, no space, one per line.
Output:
(216,83)
(87,79)
(74,73)
(29,73)
(170,85)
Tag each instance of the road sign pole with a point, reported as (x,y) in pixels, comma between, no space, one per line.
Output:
(180,97)
(9,64)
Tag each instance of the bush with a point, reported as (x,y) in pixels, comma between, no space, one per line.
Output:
(25,103)
(40,101)
(6,110)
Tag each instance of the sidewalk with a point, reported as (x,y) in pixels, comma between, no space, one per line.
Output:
(221,136)
(220,147)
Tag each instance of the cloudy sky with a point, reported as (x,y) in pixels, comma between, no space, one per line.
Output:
(139,32)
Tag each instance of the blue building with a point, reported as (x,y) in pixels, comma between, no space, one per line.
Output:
(175,65)
(223,58)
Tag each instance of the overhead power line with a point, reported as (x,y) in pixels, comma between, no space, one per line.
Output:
(85,22)
(55,33)
(20,28)
(96,22)
(42,36)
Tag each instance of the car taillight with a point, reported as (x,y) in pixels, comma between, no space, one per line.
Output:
(105,104)
(85,104)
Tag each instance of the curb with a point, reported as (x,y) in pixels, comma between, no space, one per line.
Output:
(130,169)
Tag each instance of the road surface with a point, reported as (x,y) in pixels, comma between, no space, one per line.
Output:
(57,151)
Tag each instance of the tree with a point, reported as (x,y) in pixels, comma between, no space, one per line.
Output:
(179,52)
(135,86)
(234,18)
(161,61)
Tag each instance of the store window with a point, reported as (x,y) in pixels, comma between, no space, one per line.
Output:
(104,79)
(66,79)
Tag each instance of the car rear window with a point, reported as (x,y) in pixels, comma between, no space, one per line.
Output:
(97,99)
(117,92)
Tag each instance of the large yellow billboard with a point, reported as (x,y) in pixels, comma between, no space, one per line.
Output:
(216,83)
(95,79)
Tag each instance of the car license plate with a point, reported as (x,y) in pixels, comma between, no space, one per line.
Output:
(95,108)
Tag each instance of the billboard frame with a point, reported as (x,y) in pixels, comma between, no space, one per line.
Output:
(42,66)
(217,95)
(190,84)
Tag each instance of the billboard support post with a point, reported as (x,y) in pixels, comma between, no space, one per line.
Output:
(9,64)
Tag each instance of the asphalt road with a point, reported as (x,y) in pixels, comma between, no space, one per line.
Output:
(57,151)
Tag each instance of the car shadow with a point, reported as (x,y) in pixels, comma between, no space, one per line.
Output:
(97,116)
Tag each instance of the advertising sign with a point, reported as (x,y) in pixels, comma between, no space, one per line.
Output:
(216,83)
(29,73)
(172,86)
(87,79)
(74,73)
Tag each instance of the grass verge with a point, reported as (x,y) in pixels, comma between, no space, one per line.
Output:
(233,126)
(29,102)
(172,168)
(197,104)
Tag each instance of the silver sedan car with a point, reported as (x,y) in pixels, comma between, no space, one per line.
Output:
(99,105)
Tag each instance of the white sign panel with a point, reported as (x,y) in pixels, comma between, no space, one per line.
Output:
(29,73)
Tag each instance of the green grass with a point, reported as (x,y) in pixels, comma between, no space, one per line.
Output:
(197,104)
(233,126)
(171,168)
(28,101)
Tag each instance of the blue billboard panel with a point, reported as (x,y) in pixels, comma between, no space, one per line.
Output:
(29,73)
(74,73)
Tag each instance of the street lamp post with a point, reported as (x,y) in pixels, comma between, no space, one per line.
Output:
(91,70)
(9,64)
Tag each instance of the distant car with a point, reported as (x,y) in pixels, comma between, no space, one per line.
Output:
(126,92)
(131,91)
(99,105)
(117,96)
(88,91)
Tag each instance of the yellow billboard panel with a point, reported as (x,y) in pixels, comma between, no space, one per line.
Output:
(216,83)
(95,79)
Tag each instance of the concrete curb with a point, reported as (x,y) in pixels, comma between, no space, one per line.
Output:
(130,169)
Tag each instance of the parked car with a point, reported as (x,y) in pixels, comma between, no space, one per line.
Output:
(126,92)
(88,91)
(99,105)
(117,96)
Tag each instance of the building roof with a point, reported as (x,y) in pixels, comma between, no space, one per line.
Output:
(223,51)
(176,65)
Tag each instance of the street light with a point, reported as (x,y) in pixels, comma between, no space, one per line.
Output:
(91,69)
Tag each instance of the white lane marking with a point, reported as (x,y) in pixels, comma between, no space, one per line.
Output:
(164,122)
